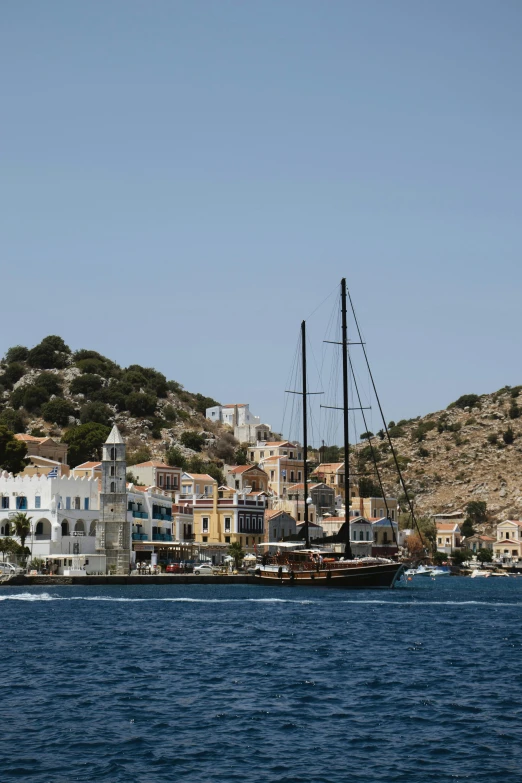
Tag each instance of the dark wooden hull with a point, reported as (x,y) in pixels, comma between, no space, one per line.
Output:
(358,576)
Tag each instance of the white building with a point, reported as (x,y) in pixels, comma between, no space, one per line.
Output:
(63,512)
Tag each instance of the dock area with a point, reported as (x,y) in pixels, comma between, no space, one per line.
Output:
(135,579)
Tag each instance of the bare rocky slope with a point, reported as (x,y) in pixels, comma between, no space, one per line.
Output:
(470,451)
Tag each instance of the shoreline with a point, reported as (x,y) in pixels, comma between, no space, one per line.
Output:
(155,579)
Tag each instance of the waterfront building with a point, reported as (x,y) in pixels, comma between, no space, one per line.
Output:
(279,524)
(385,537)
(218,522)
(508,545)
(374,507)
(63,511)
(155,473)
(112,530)
(449,537)
(476,543)
(315,531)
(321,495)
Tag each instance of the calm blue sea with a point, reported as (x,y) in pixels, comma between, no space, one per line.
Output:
(151,684)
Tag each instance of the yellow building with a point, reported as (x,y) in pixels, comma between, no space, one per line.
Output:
(224,520)
(509,540)
(374,508)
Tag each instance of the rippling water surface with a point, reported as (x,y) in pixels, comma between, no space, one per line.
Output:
(227,683)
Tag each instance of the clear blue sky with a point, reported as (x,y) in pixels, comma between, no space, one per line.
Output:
(183,182)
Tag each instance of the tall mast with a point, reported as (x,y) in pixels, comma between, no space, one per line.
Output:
(348,548)
(305,435)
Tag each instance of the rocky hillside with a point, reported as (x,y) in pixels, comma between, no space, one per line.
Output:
(470,451)
(51,390)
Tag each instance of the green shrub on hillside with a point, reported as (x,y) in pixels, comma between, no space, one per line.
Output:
(13,420)
(175,458)
(86,383)
(139,404)
(30,397)
(12,373)
(50,353)
(57,411)
(96,412)
(466,401)
(50,382)
(18,353)
(85,442)
(192,440)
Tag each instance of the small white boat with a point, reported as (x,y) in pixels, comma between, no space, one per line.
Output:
(424,570)
(478,572)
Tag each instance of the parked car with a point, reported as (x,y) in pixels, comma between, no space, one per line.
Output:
(203,569)
(174,568)
(8,569)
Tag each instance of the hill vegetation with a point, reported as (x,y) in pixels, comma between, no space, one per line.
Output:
(77,396)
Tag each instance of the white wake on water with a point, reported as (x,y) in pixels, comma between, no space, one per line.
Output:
(32,597)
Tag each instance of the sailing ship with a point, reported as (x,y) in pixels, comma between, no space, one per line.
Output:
(314,566)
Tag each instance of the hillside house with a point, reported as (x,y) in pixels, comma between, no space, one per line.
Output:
(449,537)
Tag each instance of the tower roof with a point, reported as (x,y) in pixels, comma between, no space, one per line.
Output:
(114,436)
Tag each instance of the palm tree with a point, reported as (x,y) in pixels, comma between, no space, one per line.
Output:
(235,551)
(22,526)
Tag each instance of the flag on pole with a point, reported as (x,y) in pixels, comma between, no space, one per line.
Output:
(53,473)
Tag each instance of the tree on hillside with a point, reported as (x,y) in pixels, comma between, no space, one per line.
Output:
(57,411)
(467,528)
(476,511)
(85,442)
(460,556)
(466,401)
(225,448)
(485,555)
(18,353)
(12,452)
(175,458)
(368,488)
(96,412)
(366,435)
(141,454)
(13,420)
(51,353)
(139,404)
(192,440)
(241,455)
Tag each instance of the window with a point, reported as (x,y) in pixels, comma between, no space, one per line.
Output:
(292,475)
(113,454)
(440,540)
(67,502)
(246,541)
(65,528)
(298,516)
(38,501)
(393,513)
(227,524)
(275,533)
(113,486)
(285,453)
(5,502)
(197,489)
(367,535)
(77,503)
(271,453)
(227,539)
(361,536)
(175,482)
(39,529)
(272,475)
(507,535)
(113,470)
(237,484)
(251,456)
(291,455)
(385,537)
(161,480)
(299,455)
(261,454)
(21,502)
(205,524)
(86,504)
(447,542)
(167,480)
(299,475)
(204,539)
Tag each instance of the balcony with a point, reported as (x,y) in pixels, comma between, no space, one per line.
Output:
(140,537)
(162,517)
(140,514)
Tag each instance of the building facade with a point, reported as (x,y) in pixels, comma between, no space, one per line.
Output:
(155,473)
(244,478)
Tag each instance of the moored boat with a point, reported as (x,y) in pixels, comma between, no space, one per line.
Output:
(311,568)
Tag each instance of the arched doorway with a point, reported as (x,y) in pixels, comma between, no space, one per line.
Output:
(92,529)
(65,528)
(79,527)
(42,531)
